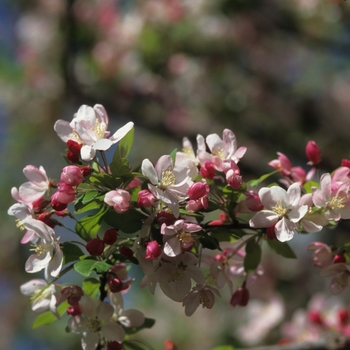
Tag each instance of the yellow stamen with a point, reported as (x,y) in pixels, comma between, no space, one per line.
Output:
(279,210)
(336,203)
(168,179)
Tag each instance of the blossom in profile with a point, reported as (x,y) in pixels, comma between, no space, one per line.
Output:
(35,188)
(282,211)
(42,294)
(89,129)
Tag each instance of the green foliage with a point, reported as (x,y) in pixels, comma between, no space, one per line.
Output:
(129,222)
(253,256)
(87,266)
(71,252)
(135,345)
(224,347)
(88,226)
(120,168)
(124,146)
(309,185)
(91,286)
(48,317)
(281,248)
(149,323)
(262,178)
(209,242)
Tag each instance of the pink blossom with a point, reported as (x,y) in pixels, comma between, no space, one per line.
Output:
(119,200)
(178,237)
(89,128)
(35,188)
(322,255)
(72,175)
(146,199)
(341,273)
(153,250)
(65,194)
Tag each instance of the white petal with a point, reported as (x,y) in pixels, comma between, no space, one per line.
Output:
(113,331)
(102,144)
(87,153)
(284,230)
(30,287)
(264,218)
(63,130)
(131,318)
(294,194)
(149,171)
(120,133)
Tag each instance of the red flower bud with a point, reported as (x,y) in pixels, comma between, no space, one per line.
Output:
(74,310)
(114,345)
(339,258)
(313,153)
(95,247)
(240,297)
(163,217)
(343,316)
(126,251)
(146,199)
(270,232)
(110,236)
(314,316)
(86,170)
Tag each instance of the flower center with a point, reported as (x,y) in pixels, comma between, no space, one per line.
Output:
(219,152)
(336,203)
(99,129)
(203,299)
(184,237)
(94,325)
(20,225)
(280,210)
(40,248)
(168,179)
(188,151)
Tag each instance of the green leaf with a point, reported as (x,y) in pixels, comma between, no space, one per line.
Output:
(173,155)
(48,317)
(124,146)
(91,286)
(308,186)
(149,323)
(281,248)
(129,222)
(88,226)
(82,208)
(87,266)
(256,182)
(209,242)
(224,347)
(253,256)
(135,345)
(120,167)
(106,180)
(71,252)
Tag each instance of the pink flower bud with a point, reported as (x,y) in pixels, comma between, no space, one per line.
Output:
(339,258)
(71,175)
(153,250)
(234,180)
(322,255)
(95,247)
(195,205)
(253,202)
(270,232)
(343,316)
(345,163)
(207,170)
(240,297)
(110,236)
(119,200)
(56,205)
(313,153)
(46,218)
(115,284)
(40,205)
(65,194)
(314,316)
(198,190)
(146,199)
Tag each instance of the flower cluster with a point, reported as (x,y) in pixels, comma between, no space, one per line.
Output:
(160,217)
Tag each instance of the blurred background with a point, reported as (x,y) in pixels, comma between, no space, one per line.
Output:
(275,72)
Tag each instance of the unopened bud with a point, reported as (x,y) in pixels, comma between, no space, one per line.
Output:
(207,170)
(95,247)
(146,199)
(153,250)
(110,236)
(240,297)
(198,190)
(313,153)
(71,175)
(126,251)
(339,258)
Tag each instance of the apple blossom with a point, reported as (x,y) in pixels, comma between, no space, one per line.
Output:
(35,188)
(169,184)
(89,128)
(282,210)
(72,175)
(94,321)
(118,199)
(43,295)
(322,255)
